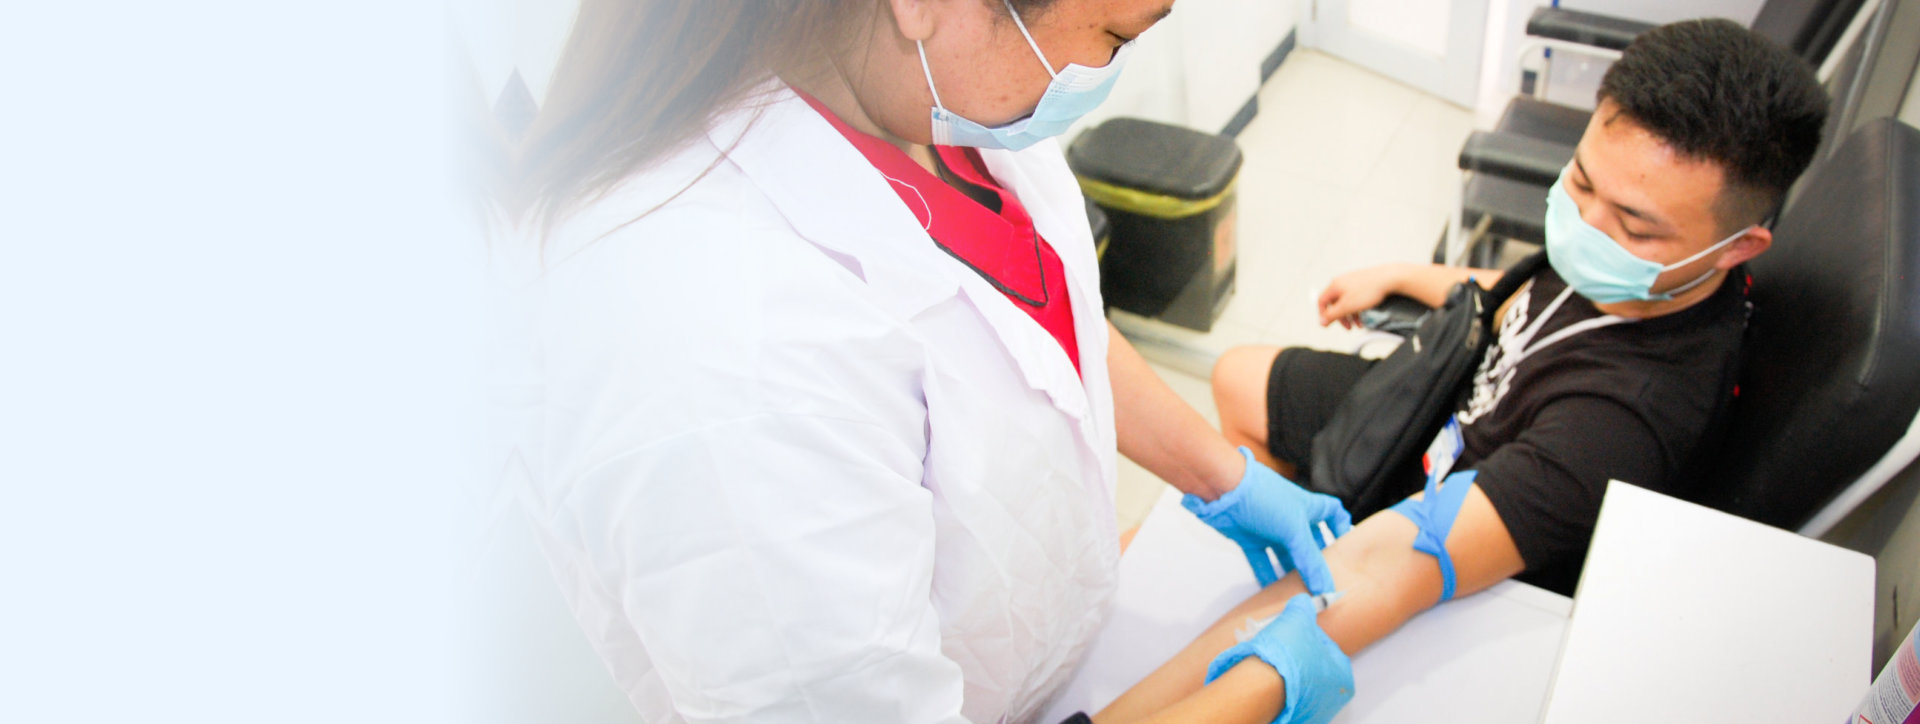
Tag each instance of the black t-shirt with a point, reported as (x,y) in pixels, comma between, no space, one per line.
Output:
(1634,401)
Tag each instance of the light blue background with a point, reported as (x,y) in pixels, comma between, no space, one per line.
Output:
(239,369)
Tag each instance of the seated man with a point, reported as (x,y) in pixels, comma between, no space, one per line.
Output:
(1701,128)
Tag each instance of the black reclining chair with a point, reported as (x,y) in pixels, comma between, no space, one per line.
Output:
(1827,401)
(1504,197)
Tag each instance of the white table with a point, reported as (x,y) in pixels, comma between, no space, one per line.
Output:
(1687,614)
(1680,607)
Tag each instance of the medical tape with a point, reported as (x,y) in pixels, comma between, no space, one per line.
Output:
(1434,513)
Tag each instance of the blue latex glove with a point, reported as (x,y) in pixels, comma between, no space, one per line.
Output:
(1318,675)
(1268,511)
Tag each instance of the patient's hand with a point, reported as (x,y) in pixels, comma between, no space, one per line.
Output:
(1354,292)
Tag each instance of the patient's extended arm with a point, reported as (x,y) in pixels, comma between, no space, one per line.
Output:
(1384,582)
(1350,293)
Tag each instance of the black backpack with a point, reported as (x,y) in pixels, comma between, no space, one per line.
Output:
(1368,455)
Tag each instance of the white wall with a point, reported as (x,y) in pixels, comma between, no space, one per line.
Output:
(1225,42)
(1573,81)
(1421,26)
(1200,65)
(1152,86)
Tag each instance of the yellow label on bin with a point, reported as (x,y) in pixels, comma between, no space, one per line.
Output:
(1147,203)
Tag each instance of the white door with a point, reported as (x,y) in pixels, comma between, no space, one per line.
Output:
(1433,45)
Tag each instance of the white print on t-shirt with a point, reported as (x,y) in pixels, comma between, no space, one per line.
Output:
(1515,344)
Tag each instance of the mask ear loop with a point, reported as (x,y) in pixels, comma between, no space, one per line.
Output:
(924,68)
(1709,250)
(1023,32)
(1696,257)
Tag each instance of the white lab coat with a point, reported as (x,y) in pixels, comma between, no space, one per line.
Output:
(791,462)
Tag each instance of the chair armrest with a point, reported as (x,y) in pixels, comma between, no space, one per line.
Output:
(1574,26)
(1513,156)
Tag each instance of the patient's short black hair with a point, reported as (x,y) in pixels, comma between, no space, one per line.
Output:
(1719,92)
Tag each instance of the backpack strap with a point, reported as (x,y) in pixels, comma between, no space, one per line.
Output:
(1510,282)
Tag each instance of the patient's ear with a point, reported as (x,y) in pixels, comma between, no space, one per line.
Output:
(1752,242)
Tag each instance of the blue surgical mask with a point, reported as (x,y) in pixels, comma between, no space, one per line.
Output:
(1073,93)
(1596,266)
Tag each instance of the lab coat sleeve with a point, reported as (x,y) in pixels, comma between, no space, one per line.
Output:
(778,567)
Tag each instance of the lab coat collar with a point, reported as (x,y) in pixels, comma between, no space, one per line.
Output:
(883,242)
(843,205)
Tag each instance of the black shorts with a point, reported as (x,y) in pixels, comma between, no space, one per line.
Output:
(1304,388)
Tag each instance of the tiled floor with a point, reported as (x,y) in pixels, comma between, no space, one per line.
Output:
(1344,169)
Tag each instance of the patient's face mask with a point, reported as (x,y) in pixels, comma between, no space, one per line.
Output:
(1072,94)
(1596,266)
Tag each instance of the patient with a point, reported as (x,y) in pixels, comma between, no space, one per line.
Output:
(1700,129)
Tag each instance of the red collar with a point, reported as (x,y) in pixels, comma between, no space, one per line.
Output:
(1004,247)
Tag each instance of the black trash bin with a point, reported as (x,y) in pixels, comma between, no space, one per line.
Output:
(1169,195)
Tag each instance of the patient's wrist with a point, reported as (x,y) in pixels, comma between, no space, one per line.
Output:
(1400,277)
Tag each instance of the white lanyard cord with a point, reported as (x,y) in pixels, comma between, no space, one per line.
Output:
(1527,348)
(1526,334)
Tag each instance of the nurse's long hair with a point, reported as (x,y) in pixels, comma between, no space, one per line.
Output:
(639,79)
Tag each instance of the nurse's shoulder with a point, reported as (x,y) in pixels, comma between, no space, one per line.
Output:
(687,288)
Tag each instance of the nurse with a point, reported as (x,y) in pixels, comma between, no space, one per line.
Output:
(826,410)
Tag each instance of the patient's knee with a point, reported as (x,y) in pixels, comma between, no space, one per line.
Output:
(1239,394)
(1243,370)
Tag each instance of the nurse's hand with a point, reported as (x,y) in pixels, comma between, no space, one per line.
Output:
(1317,674)
(1266,511)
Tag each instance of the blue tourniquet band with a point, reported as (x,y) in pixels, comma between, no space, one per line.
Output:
(1434,514)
